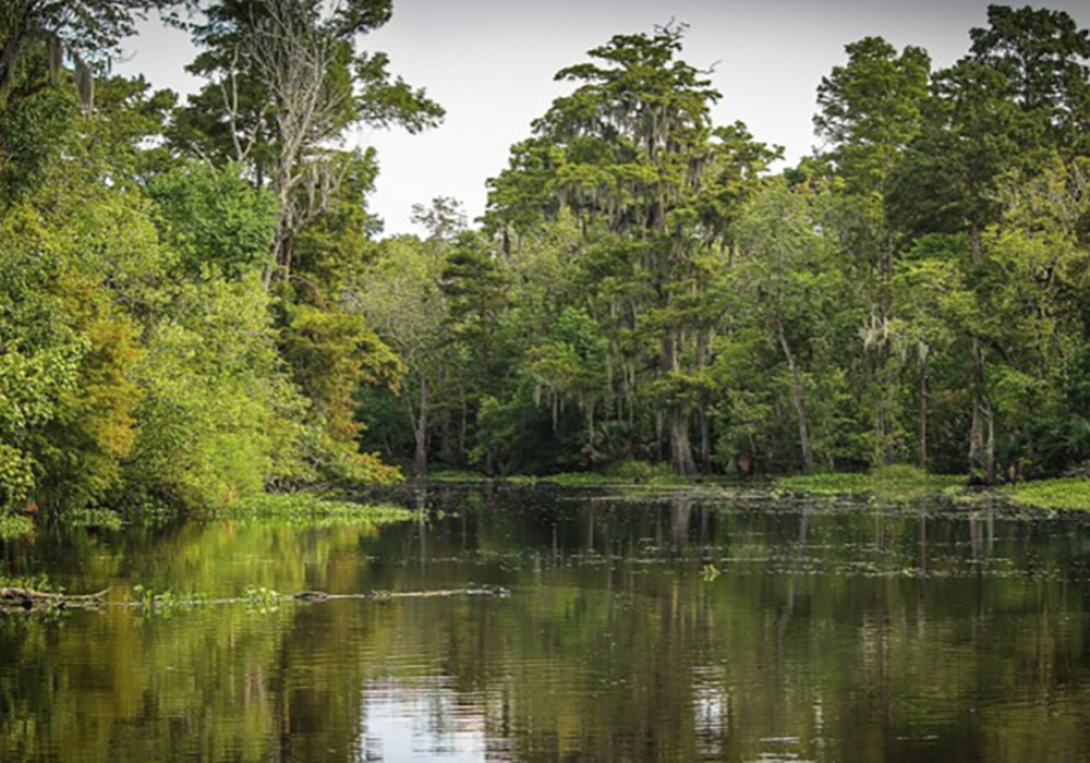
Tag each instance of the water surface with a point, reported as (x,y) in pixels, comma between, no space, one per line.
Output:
(649,627)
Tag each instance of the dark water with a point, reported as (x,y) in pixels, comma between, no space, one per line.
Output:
(658,628)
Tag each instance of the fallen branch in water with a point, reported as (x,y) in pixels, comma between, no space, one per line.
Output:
(495,591)
(26,598)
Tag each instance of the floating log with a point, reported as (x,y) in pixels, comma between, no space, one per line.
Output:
(494,591)
(27,598)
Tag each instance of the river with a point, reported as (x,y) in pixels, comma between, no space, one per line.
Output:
(702,625)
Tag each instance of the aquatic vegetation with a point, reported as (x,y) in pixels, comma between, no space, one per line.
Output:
(93,517)
(312,509)
(1067,493)
(164,602)
(890,483)
(38,582)
(263,599)
(15,526)
(455,476)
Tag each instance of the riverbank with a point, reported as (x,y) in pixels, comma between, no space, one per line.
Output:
(890,483)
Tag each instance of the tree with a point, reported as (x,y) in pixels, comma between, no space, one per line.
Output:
(40,351)
(215,220)
(286,83)
(633,150)
(1021,94)
(81,451)
(871,109)
(782,267)
(220,418)
(87,30)
(403,298)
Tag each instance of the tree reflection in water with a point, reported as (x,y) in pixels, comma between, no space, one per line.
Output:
(836,631)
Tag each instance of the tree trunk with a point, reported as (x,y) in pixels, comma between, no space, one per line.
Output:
(796,400)
(420,432)
(705,438)
(976,424)
(923,412)
(989,453)
(982,427)
(681,449)
(981,448)
(702,341)
(13,47)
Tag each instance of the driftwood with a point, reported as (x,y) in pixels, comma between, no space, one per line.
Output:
(495,591)
(26,598)
(13,599)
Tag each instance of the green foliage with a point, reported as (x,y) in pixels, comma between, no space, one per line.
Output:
(32,132)
(163,603)
(633,159)
(215,220)
(40,350)
(262,599)
(194,333)
(897,482)
(330,353)
(14,526)
(1062,494)
(287,81)
(637,472)
(312,509)
(220,418)
(105,519)
(140,363)
(38,582)
(82,449)
(513,435)
(871,109)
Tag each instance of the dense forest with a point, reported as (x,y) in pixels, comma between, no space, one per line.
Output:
(196,304)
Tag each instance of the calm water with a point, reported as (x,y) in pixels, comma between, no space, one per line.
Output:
(658,628)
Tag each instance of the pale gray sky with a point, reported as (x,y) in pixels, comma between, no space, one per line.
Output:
(491,63)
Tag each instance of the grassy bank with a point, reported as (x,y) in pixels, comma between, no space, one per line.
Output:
(302,508)
(1066,493)
(625,474)
(311,509)
(887,482)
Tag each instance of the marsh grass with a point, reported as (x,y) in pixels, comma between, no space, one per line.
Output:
(890,483)
(624,474)
(1067,493)
(457,476)
(312,509)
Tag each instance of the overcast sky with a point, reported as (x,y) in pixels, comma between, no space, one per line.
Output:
(491,63)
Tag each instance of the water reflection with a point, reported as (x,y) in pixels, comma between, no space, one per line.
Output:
(833,631)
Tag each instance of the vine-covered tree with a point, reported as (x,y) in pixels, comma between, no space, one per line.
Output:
(633,153)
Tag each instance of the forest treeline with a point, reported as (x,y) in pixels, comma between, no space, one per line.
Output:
(195,303)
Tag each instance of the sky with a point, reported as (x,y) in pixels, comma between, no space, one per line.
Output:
(490,64)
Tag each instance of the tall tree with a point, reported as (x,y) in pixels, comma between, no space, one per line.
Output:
(1020,95)
(402,295)
(783,272)
(287,82)
(870,109)
(86,30)
(635,153)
